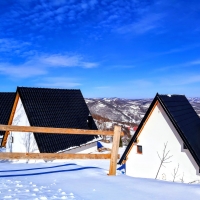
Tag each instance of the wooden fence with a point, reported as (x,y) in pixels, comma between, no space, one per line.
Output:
(51,156)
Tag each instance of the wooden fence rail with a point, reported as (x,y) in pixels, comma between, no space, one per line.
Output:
(53,156)
(50,156)
(54,130)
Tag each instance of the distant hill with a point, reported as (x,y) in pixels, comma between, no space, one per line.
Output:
(125,111)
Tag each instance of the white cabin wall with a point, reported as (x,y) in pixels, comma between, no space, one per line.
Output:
(22,141)
(157,131)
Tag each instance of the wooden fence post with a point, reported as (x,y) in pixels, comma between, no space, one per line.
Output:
(114,152)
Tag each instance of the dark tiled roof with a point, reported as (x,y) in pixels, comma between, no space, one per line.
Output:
(6,104)
(184,119)
(60,108)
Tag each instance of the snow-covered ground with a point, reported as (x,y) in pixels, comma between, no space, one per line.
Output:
(84,179)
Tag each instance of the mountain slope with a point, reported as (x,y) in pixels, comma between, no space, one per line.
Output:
(126,110)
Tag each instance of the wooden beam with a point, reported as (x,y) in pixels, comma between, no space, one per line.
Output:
(10,119)
(54,130)
(114,151)
(52,156)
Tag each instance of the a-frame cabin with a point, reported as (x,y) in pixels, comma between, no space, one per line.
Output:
(44,107)
(170,130)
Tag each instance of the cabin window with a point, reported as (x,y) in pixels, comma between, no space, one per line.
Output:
(184,146)
(139,149)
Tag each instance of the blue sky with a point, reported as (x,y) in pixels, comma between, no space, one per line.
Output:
(106,48)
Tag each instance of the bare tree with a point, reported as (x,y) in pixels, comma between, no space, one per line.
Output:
(181,179)
(103,127)
(174,175)
(164,159)
(29,143)
(163,176)
(26,141)
(101,124)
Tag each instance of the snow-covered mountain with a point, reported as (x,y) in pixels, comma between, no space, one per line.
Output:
(126,110)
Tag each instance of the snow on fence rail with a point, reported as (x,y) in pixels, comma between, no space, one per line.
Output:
(46,130)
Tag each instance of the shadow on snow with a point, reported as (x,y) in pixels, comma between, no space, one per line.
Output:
(50,172)
(17,170)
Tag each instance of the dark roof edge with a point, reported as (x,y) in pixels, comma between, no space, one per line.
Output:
(138,130)
(180,132)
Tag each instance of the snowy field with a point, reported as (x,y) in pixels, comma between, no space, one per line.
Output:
(84,179)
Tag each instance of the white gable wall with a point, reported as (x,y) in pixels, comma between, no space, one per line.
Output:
(22,141)
(157,131)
